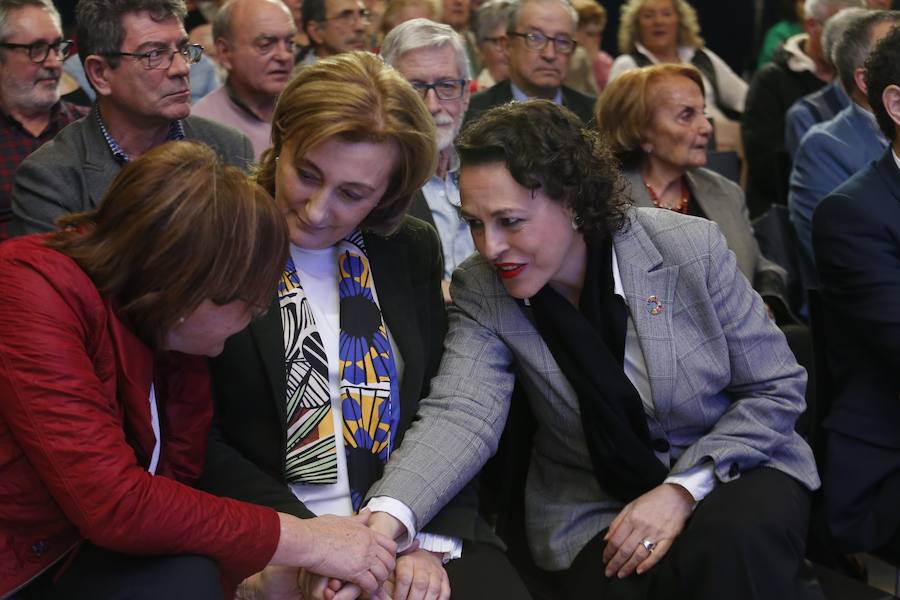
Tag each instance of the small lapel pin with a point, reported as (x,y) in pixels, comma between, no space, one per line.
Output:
(654,306)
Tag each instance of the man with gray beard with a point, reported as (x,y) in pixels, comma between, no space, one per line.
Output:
(432,57)
(31,113)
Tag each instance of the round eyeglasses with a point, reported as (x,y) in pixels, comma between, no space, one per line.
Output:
(162,58)
(538,41)
(39,51)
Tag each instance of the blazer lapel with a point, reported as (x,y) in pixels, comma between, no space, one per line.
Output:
(396,295)
(649,287)
(268,336)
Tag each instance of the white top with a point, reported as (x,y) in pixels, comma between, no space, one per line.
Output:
(320,285)
(732,88)
(154,423)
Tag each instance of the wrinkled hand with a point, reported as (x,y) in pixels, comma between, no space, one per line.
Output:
(420,575)
(347,549)
(272,583)
(658,516)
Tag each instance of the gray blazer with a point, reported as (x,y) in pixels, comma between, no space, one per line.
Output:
(722,201)
(725,386)
(72,172)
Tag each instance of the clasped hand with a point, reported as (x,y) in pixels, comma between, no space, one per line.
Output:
(658,517)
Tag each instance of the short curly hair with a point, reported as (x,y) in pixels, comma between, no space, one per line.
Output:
(545,146)
(688,25)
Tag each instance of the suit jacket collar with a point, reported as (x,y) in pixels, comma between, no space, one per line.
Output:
(648,284)
(886,167)
(396,296)
(100,168)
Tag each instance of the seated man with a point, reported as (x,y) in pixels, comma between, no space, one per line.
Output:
(824,103)
(432,57)
(255,43)
(833,151)
(856,238)
(540,41)
(31,112)
(333,26)
(137,57)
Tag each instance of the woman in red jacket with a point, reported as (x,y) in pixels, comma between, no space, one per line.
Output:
(105,406)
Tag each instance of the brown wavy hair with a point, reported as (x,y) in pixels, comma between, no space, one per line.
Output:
(175,228)
(545,146)
(356,97)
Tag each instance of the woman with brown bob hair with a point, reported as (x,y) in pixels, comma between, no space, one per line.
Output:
(104,393)
(653,120)
(357,325)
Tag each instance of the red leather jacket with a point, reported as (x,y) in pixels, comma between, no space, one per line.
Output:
(76,439)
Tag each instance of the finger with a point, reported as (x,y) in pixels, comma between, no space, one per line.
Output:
(434,584)
(363,516)
(348,592)
(623,553)
(659,551)
(413,546)
(386,558)
(445,587)
(385,542)
(403,578)
(639,555)
(335,584)
(367,583)
(616,539)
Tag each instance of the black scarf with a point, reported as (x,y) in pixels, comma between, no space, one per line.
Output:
(589,346)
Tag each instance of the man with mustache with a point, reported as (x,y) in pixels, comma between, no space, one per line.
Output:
(432,57)
(333,26)
(255,43)
(540,39)
(137,57)
(31,113)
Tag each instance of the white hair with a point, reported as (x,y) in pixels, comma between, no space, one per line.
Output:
(423,33)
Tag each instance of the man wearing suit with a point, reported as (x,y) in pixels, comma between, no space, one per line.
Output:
(856,238)
(432,57)
(833,151)
(138,63)
(540,39)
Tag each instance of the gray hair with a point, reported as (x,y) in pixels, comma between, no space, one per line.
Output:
(853,48)
(819,9)
(834,29)
(100,29)
(423,33)
(518,6)
(7,7)
(489,15)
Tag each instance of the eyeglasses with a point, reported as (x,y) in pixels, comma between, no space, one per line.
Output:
(350,16)
(495,40)
(447,89)
(162,58)
(39,51)
(539,41)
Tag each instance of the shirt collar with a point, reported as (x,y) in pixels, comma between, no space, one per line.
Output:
(618,290)
(176,132)
(520,96)
(685,53)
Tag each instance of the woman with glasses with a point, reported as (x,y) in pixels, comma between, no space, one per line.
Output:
(664,462)
(313,399)
(105,399)
(666,31)
(489,25)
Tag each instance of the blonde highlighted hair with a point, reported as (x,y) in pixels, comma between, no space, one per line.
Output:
(354,96)
(688,26)
(626,106)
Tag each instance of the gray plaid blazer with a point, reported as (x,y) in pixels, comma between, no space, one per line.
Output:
(725,386)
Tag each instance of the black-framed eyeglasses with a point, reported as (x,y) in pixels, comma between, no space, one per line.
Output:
(350,16)
(538,41)
(162,58)
(39,51)
(446,89)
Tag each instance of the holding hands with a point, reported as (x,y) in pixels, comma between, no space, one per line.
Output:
(644,530)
